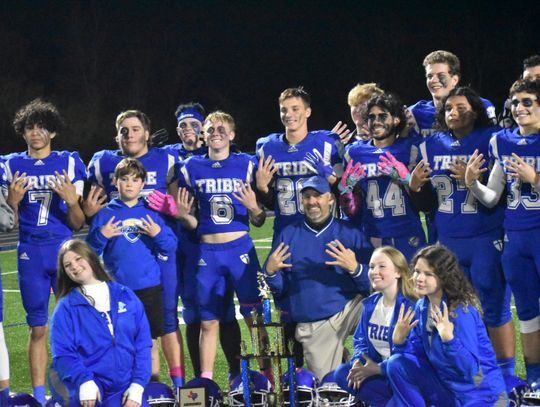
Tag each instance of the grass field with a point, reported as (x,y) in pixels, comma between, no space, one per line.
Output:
(16,331)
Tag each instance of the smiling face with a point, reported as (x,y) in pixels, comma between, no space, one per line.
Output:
(294,114)
(381,123)
(459,115)
(134,143)
(38,140)
(218,134)
(78,269)
(526,112)
(425,280)
(190,132)
(439,80)
(316,205)
(382,273)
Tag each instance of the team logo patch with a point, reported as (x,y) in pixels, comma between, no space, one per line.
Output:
(379,151)
(130,229)
(121,307)
(24,256)
(506,238)
(245,258)
(414,241)
(455,144)
(522,142)
(202,262)
(193,395)
(216,165)
(292,149)
(39,162)
(498,244)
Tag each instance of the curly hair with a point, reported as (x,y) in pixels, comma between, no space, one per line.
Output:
(482,119)
(66,284)
(454,284)
(400,263)
(392,104)
(40,113)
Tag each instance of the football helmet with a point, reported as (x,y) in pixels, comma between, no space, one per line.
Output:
(329,394)
(213,392)
(306,386)
(259,387)
(532,396)
(22,400)
(515,387)
(159,395)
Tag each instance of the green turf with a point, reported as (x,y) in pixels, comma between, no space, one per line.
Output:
(16,331)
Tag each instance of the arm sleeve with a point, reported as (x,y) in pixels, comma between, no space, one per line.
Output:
(360,338)
(66,359)
(95,238)
(165,241)
(490,194)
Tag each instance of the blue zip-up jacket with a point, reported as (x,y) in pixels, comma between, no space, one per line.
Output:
(312,289)
(361,342)
(466,364)
(83,348)
(131,258)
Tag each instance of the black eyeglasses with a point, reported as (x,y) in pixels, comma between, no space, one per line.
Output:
(381,116)
(526,102)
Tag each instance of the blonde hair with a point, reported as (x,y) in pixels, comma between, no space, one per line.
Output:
(362,93)
(221,116)
(399,261)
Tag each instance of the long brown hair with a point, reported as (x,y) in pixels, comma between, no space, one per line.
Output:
(400,263)
(66,284)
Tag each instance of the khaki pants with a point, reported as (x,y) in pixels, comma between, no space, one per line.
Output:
(323,340)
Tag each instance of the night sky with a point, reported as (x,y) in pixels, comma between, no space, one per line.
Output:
(94,59)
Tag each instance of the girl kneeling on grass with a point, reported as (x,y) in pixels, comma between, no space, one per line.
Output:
(442,354)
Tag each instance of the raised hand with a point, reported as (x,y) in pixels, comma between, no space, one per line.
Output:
(17,188)
(265,173)
(419,176)
(184,202)
(63,186)
(245,194)
(344,136)
(162,203)
(315,162)
(474,169)
(149,227)
(343,257)
(351,176)
(111,228)
(518,168)
(442,322)
(159,138)
(457,169)
(276,261)
(404,325)
(395,169)
(95,201)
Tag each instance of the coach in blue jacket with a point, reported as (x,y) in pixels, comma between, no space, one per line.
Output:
(315,265)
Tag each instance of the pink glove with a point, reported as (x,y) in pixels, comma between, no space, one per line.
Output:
(162,203)
(350,177)
(393,168)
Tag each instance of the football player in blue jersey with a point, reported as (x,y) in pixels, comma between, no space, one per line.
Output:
(443,72)
(190,118)
(44,191)
(221,182)
(387,213)
(471,230)
(133,138)
(7,222)
(515,154)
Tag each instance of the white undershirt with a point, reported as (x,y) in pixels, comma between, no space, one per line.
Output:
(379,328)
(100,295)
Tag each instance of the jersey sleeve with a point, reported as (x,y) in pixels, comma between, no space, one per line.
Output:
(77,172)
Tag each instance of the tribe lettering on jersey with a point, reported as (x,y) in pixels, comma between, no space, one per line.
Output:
(386,208)
(379,328)
(293,171)
(42,213)
(213,183)
(159,165)
(459,214)
(523,200)
(424,113)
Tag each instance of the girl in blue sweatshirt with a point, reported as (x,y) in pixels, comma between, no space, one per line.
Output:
(100,338)
(442,354)
(365,375)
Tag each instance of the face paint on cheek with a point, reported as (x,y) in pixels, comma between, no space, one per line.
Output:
(196,128)
(443,79)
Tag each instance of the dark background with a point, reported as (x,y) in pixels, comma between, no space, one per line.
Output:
(96,58)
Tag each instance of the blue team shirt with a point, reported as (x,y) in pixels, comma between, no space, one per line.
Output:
(213,183)
(132,257)
(293,171)
(424,114)
(387,211)
(159,165)
(42,213)
(459,213)
(523,200)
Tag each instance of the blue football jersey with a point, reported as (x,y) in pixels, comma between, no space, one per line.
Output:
(386,207)
(293,171)
(42,213)
(213,183)
(459,214)
(424,114)
(159,165)
(523,200)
